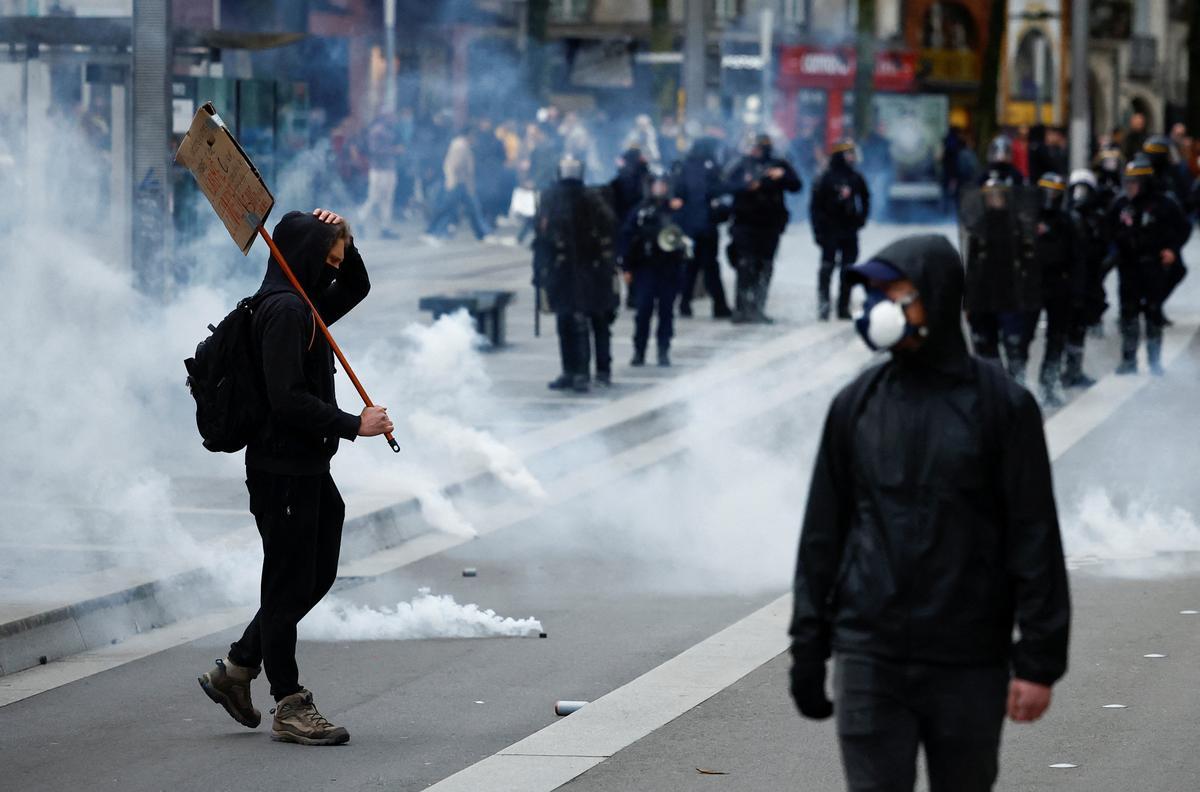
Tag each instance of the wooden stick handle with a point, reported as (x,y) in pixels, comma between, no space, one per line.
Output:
(287,271)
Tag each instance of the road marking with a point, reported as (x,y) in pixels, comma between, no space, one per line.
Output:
(568,748)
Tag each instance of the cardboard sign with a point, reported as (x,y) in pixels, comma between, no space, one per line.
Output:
(226,176)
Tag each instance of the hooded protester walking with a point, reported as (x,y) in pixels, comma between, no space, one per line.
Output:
(930,533)
(296,505)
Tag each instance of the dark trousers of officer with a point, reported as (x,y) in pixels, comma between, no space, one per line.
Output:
(300,521)
(704,262)
(838,253)
(655,289)
(885,710)
(1143,285)
(576,332)
(753,255)
(1059,316)
(1013,329)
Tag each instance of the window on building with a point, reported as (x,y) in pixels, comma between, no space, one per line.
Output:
(570,11)
(1032,70)
(949,26)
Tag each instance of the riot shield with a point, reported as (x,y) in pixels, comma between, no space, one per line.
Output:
(996,226)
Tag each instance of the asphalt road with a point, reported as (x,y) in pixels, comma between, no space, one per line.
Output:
(648,563)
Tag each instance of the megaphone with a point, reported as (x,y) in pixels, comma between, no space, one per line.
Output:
(671,239)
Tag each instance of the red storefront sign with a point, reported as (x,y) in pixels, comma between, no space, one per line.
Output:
(833,69)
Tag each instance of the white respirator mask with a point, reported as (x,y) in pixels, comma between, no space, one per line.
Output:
(879,320)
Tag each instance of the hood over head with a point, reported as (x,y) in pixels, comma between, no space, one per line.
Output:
(935,268)
(304,242)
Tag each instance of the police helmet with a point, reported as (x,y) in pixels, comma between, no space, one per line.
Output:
(763,142)
(1053,189)
(844,149)
(1157,149)
(1139,174)
(1000,149)
(570,168)
(1083,187)
(1109,161)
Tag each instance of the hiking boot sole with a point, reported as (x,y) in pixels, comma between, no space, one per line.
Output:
(220,698)
(338,738)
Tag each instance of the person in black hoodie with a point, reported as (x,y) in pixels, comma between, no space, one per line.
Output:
(840,206)
(292,496)
(930,530)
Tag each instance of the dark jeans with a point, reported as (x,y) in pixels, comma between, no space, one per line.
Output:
(837,253)
(704,261)
(885,710)
(300,521)
(654,290)
(448,208)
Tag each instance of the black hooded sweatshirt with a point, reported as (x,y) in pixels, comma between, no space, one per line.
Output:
(303,423)
(931,525)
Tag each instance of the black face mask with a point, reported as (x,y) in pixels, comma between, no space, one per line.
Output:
(765,153)
(328,275)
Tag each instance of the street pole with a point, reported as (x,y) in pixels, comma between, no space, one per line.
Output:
(695,58)
(1080,99)
(389,52)
(766,38)
(864,75)
(153,50)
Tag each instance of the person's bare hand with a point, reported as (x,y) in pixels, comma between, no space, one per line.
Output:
(627,276)
(1027,701)
(775,173)
(1168,257)
(676,204)
(326,216)
(374,421)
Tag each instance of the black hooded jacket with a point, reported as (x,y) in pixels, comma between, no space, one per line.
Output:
(304,423)
(931,525)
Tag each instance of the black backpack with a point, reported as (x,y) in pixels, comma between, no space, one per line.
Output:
(226,381)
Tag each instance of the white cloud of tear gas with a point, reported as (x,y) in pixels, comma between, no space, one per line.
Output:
(426,616)
(1130,540)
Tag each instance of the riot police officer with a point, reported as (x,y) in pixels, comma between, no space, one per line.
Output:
(1062,280)
(1147,228)
(574,265)
(1089,216)
(655,260)
(840,205)
(1108,167)
(1174,186)
(1000,167)
(697,182)
(757,182)
(1003,284)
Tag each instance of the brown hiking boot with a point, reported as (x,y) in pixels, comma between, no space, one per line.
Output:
(229,685)
(297,720)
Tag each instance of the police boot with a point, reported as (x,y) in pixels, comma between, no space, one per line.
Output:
(1073,376)
(1129,346)
(760,305)
(1051,389)
(664,357)
(744,312)
(824,277)
(822,305)
(1155,353)
(639,357)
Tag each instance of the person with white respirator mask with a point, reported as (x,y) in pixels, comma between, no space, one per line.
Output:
(930,533)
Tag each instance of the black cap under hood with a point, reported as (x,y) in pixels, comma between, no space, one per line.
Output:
(935,268)
(304,242)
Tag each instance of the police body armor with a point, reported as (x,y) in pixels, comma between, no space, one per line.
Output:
(997,232)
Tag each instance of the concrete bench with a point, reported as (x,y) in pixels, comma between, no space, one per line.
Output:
(485,307)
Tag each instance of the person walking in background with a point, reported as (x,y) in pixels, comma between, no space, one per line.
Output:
(460,189)
(383,156)
(294,500)
(930,533)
